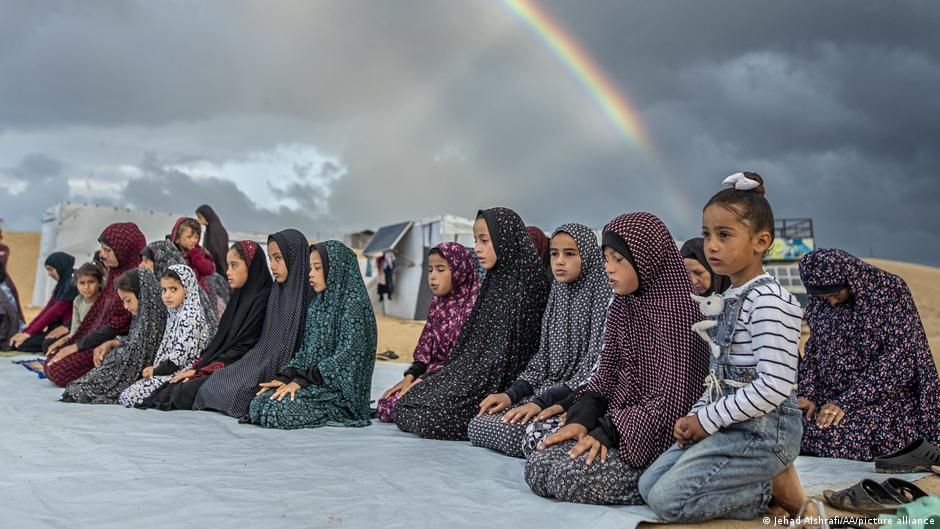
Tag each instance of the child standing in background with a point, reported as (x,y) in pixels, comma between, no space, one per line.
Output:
(185,236)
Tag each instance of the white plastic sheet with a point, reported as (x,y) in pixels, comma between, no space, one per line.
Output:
(102,467)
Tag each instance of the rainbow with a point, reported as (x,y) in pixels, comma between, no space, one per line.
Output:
(614,105)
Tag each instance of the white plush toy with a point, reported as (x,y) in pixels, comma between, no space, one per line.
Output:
(710,306)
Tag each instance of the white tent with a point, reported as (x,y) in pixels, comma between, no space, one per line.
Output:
(411,241)
(74,229)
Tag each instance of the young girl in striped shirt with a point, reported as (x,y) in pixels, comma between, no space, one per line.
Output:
(735,449)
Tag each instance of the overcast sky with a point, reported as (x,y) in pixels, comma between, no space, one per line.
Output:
(332,116)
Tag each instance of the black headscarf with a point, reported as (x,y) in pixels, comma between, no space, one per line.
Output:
(243,318)
(63,263)
(695,249)
(216,239)
(496,342)
(231,388)
(239,331)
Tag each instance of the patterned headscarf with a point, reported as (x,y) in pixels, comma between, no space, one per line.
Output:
(231,388)
(340,333)
(187,330)
(653,365)
(573,325)
(165,254)
(121,367)
(250,248)
(126,240)
(876,336)
(448,313)
(507,317)
(497,340)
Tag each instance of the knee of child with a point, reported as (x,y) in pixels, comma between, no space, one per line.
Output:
(645,484)
(662,499)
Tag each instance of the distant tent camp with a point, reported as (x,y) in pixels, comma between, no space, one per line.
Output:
(74,228)
(410,242)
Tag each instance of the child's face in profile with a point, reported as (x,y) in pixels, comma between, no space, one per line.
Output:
(53,273)
(237,272)
(440,278)
(87,287)
(278,266)
(565,258)
(484,249)
(173,292)
(187,239)
(620,273)
(129,299)
(146,264)
(731,246)
(317,277)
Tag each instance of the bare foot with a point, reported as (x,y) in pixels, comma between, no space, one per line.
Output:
(787,493)
(776,511)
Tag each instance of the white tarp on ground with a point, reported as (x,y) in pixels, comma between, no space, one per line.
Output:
(103,467)
(74,228)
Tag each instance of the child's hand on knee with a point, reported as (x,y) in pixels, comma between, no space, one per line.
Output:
(689,430)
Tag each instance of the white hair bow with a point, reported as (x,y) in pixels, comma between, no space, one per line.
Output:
(740,182)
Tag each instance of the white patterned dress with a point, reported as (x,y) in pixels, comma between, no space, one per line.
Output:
(187,334)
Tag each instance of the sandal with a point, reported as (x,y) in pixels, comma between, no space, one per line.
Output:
(918,456)
(905,490)
(865,497)
(387,355)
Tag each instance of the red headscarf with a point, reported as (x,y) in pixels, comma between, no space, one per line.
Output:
(540,241)
(127,241)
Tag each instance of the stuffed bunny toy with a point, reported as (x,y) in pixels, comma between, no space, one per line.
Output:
(709,306)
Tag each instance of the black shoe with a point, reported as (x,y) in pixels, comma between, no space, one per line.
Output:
(904,490)
(918,456)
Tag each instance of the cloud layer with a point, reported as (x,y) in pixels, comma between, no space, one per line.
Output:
(343,115)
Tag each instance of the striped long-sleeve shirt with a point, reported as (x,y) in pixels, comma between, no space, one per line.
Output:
(766,338)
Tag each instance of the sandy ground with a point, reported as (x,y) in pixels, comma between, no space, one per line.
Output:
(24,251)
(401,336)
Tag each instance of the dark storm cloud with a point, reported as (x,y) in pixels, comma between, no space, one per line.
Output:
(165,189)
(441,107)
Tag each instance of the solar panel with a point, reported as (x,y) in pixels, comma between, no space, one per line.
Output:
(386,238)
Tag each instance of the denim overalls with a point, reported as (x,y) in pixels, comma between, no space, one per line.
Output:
(727,474)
